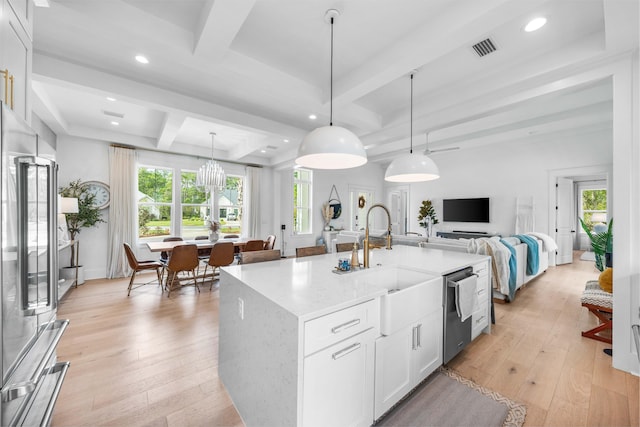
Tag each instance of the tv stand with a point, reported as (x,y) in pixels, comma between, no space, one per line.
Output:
(459,234)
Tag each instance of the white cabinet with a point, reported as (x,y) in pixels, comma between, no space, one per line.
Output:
(480,315)
(16,48)
(405,358)
(338,369)
(338,383)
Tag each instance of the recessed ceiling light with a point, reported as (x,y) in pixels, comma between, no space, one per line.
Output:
(142,59)
(285,140)
(110,98)
(115,123)
(535,24)
(312,117)
(263,151)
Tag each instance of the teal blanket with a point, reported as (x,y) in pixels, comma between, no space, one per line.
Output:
(533,261)
(513,270)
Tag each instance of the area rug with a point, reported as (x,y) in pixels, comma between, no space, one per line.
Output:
(588,256)
(447,399)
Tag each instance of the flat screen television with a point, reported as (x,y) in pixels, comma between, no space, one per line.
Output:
(466,210)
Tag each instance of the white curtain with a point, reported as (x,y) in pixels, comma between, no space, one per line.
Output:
(253,201)
(122,210)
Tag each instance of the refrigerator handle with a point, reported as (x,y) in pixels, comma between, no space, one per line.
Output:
(23,166)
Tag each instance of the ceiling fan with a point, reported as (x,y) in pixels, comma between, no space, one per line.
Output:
(427,151)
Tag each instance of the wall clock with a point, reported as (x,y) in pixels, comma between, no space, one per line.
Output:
(101,191)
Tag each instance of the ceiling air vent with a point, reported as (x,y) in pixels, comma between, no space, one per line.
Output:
(484,47)
(112,114)
(271,147)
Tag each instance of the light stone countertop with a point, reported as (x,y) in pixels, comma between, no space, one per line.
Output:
(307,287)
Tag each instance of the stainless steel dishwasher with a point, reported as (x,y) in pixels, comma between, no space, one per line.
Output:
(457,334)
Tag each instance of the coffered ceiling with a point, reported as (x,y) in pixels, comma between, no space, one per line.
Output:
(254,70)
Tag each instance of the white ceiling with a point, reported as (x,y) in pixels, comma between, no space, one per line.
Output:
(253,70)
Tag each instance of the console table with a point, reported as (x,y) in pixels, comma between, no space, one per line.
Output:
(463,234)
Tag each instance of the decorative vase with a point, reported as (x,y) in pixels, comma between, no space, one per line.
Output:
(213,236)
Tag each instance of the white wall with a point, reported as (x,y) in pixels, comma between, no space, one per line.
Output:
(504,172)
(87,160)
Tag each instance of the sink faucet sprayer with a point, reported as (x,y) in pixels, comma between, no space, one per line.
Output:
(366,233)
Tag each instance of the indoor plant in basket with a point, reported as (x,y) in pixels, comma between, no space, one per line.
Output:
(88,216)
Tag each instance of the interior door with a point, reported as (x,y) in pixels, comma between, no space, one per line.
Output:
(565,221)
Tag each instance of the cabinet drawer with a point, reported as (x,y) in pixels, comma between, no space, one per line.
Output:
(327,330)
(479,321)
(482,269)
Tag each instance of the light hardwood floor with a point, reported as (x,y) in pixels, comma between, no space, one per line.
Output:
(152,360)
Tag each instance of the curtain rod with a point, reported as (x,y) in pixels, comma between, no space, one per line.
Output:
(130,147)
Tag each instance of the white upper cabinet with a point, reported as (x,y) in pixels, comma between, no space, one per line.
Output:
(16,48)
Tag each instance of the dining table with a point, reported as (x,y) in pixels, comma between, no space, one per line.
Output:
(238,242)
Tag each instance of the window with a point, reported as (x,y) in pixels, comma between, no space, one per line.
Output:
(230,206)
(302,218)
(155,196)
(593,208)
(194,205)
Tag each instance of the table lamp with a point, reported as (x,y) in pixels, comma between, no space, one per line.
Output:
(66,205)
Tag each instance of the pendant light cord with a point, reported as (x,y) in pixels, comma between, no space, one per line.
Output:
(411,120)
(213,134)
(331,83)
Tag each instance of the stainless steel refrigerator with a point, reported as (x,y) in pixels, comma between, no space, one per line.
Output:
(31,376)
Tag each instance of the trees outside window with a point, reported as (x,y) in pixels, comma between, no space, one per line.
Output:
(593,206)
(155,196)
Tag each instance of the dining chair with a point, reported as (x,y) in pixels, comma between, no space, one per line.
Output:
(344,247)
(231,236)
(164,256)
(221,255)
(259,256)
(137,265)
(184,258)
(270,242)
(311,250)
(253,245)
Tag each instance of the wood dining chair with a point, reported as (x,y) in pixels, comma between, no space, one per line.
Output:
(221,255)
(344,247)
(184,258)
(137,265)
(311,250)
(253,245)
(259,256)
(270,242)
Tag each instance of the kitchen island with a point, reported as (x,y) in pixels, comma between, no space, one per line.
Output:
(297,342)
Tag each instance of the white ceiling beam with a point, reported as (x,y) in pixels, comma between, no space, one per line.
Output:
(171,125)
(79,77)
(240,151)
(429,42)
(47,110)
(220,21)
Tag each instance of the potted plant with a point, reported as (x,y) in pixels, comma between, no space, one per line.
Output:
(602,244)
(88,216)
(427,216)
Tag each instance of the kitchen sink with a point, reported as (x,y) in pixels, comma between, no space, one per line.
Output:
(411,295)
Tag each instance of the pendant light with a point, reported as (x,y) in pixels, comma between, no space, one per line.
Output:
(331,147)
(412,167)
(211,176)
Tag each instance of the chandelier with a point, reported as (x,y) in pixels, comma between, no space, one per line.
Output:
(211,175)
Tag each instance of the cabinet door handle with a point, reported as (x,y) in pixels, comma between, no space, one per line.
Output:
(347,325)
(5,73)
(11,98)
(418,333)
(353,347)
(413,338)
